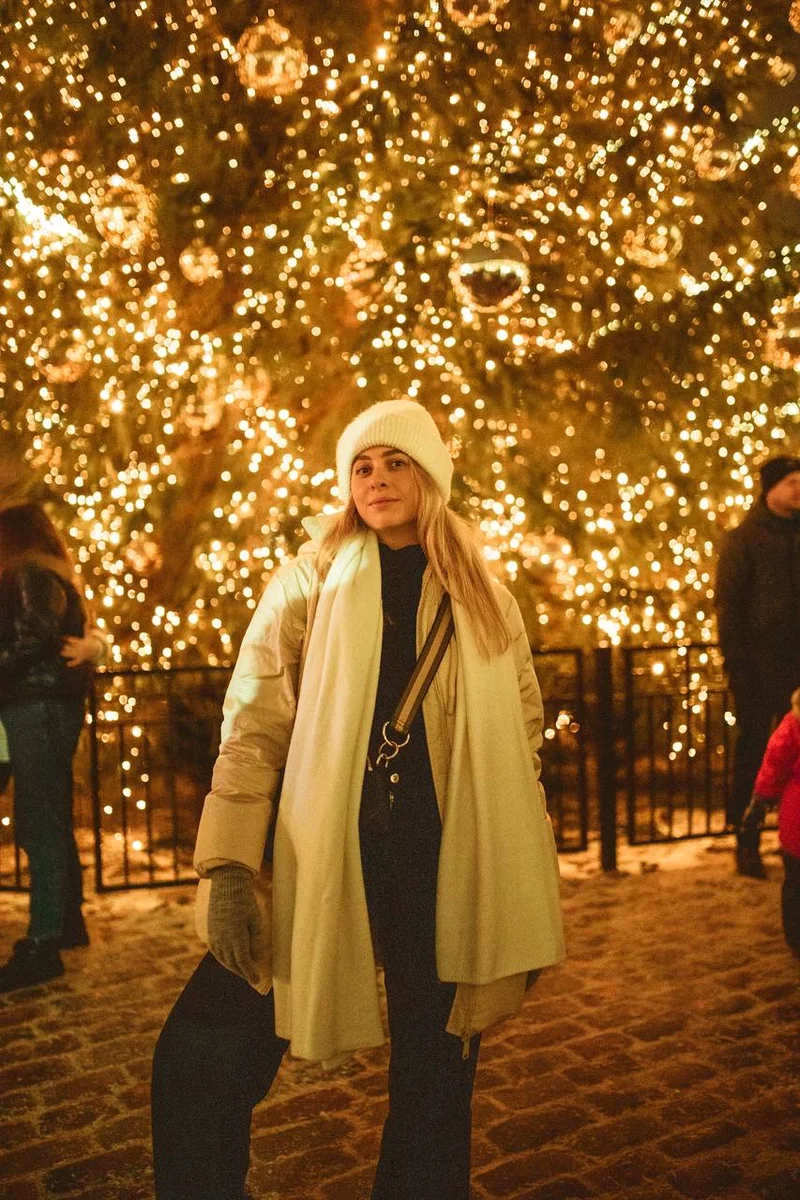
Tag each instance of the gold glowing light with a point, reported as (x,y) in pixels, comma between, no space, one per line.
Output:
(652,245)
(124,213)
(270,61)
(782,344)
(473,14)
(570,258)
(199,262)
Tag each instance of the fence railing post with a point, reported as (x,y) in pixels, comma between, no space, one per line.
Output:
(606,758)
(628,738)
(94,775)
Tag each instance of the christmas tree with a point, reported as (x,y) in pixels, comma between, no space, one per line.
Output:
(570,229)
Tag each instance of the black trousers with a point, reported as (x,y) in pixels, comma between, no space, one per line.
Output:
(790,901)
(218,1054)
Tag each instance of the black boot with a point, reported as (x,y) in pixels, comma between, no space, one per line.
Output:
(75,933)
(31,963)
(748,859)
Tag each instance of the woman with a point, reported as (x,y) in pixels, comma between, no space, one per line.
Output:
(468,900)
(43,679)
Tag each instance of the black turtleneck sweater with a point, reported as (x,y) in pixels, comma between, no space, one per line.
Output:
(412,856)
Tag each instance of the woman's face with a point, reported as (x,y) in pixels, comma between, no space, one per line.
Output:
(385,495)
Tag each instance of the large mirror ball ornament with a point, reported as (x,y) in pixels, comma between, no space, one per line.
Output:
(125,214)
(271,61)
(144,555)
(360,272)
(472,14)
(794,16)
(490,272)
(201,416)
(621,31)
(66,358)
(794,179)
(782,343)
(781,71)
(652,245)
(713,158)
(199,262)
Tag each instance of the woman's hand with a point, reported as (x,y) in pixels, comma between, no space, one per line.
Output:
(78,650)
(235,928)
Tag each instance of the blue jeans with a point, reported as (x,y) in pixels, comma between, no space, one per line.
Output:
(42,738)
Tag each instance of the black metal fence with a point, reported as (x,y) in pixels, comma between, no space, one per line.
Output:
(677,736)
(152,740)
(565,750)
(652,725)
(141,772)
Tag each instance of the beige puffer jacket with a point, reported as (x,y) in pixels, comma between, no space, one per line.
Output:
(259,716)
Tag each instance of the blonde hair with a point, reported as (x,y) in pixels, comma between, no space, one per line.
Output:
(453,553)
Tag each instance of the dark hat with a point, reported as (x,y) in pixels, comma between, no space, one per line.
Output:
(776,469)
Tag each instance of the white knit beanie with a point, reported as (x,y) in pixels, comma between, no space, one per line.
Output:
(404,425)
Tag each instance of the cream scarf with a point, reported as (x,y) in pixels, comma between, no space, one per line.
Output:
(497,902)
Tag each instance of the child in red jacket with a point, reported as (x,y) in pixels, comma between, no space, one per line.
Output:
(778,781)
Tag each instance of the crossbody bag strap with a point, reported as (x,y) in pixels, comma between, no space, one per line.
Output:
(397,731)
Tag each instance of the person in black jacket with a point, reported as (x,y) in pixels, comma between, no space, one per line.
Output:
(758,617)
(42,693)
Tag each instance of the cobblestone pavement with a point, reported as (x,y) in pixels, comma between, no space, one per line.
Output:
(660,1062)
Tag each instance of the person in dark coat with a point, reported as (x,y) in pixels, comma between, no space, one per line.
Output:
(758,616)
(43,682)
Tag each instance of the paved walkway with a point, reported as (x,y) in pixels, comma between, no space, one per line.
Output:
(661,1062)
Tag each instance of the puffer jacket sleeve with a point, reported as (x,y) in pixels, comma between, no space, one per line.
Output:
(530,693)
(780,759)
(258,716)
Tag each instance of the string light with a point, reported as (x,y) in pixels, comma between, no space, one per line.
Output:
(559,238)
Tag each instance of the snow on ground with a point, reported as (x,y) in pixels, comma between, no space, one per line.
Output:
(660,856)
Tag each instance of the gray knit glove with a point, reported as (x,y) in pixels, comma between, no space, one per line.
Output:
(235,928)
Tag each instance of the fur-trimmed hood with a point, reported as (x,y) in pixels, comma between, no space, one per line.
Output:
(50,562)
